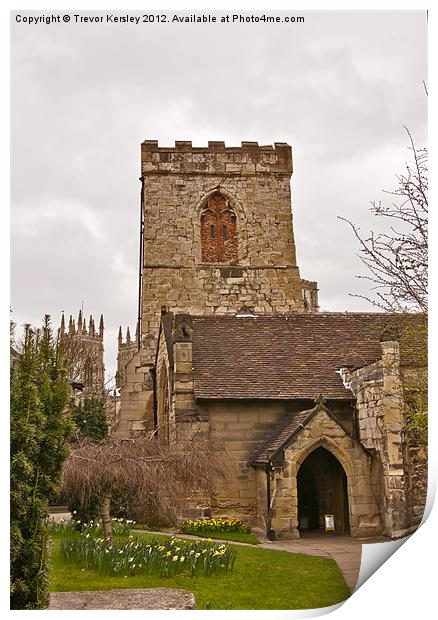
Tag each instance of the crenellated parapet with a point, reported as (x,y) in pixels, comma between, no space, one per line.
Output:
(248,159)
(81,328)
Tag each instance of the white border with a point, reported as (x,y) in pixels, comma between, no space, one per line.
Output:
(404,586)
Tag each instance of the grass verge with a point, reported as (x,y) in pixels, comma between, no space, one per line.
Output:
(261,579)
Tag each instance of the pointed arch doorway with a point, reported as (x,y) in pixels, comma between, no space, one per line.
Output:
(322,489)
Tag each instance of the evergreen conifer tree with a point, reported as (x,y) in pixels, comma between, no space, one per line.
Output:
(40,428)
(90,419)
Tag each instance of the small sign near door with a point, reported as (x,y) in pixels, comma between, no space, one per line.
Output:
(329,523)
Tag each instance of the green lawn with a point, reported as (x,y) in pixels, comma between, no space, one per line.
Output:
(261,579)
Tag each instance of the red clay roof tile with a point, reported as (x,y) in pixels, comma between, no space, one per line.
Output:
(283,357)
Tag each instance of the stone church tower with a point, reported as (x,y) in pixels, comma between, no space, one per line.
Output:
(216,239)
(84,351)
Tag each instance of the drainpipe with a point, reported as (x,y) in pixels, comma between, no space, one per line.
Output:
(140,265)
(270,533)
(154,402)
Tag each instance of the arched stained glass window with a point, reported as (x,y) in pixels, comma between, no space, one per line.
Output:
(218,231)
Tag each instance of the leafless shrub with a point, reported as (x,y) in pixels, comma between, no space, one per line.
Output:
(153,472)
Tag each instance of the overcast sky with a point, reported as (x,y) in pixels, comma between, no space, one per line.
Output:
(338,88)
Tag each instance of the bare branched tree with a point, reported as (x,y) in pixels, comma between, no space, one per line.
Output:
(397,261)
(150,470)
(397,264)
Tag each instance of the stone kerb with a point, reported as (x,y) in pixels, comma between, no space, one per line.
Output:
(148,598)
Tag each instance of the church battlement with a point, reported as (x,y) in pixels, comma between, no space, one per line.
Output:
(248,159)
(129,343)
(81,328)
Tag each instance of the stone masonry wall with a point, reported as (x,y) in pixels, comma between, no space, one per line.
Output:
(235,427)
(124,355)
(322,431)
(176,183)
(401,461)
(416,454)
(368,387)
(241,427)
(256,182)
(418,476)
(136,398)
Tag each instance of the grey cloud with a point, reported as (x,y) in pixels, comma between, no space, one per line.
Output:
(338,88)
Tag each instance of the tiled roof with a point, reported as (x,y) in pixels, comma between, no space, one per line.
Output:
(284,357)
(289,427)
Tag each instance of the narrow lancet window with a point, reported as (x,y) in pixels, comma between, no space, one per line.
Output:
(218,231)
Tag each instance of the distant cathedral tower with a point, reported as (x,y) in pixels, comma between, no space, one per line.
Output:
(84,350)
(216,239)
(125,351)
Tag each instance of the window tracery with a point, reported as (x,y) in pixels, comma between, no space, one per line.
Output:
(218,231)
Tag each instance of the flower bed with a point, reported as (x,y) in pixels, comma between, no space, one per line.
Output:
(260,579)
(219,525)
(129,556)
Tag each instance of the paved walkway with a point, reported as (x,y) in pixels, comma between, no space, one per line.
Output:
(345,550)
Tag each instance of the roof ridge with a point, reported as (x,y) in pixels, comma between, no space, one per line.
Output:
(265,442)
(310,315)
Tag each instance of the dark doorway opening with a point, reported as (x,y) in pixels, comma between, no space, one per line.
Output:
(322,490)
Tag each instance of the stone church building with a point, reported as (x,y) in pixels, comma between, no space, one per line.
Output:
(230,345)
